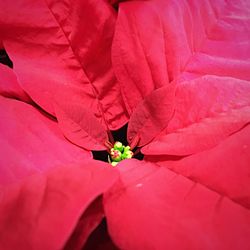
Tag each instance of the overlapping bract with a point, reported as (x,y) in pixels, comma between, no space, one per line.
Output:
(55,46)
(155,208)
(182,69)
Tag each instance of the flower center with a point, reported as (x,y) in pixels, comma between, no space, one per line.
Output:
(119,152)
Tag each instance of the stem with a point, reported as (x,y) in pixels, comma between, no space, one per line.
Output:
(108,145)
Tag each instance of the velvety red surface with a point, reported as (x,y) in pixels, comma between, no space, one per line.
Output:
(178,72)
(155,208)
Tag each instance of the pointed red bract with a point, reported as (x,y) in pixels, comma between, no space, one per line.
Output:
(79,125)
(54,45)
(46,182)
(31,142)
(159,41)
(42,211)
(151,116)
(224,168)
(154,208)
(206,111)
(137,52)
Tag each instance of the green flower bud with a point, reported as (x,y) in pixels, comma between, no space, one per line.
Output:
(118,146)
(119,153)
(116,155)
(127,148)
(127,154)
(114,163)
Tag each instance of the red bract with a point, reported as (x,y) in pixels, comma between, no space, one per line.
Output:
(66,45)
(217,107)
(182,69)
(155,208)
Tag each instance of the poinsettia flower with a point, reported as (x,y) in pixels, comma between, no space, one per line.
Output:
(191,190)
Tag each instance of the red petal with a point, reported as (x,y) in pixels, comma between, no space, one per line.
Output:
(9,85)
(224,168)
(79,125)
(42,211)
(158,39)
(151,116)
(137,52)
(207,110)
(30,142)
(54,45)
(40,207)
(154,208)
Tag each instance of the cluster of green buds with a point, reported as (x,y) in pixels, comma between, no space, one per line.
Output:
(119,152)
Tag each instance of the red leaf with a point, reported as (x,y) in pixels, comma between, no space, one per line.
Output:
(42,211)
(154,208)
(224,168)
(137,52)
(9,86)
(79,125)
(55,45)
(35,199)
(207,110)
(31,142)
(159,40)
(151,115)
